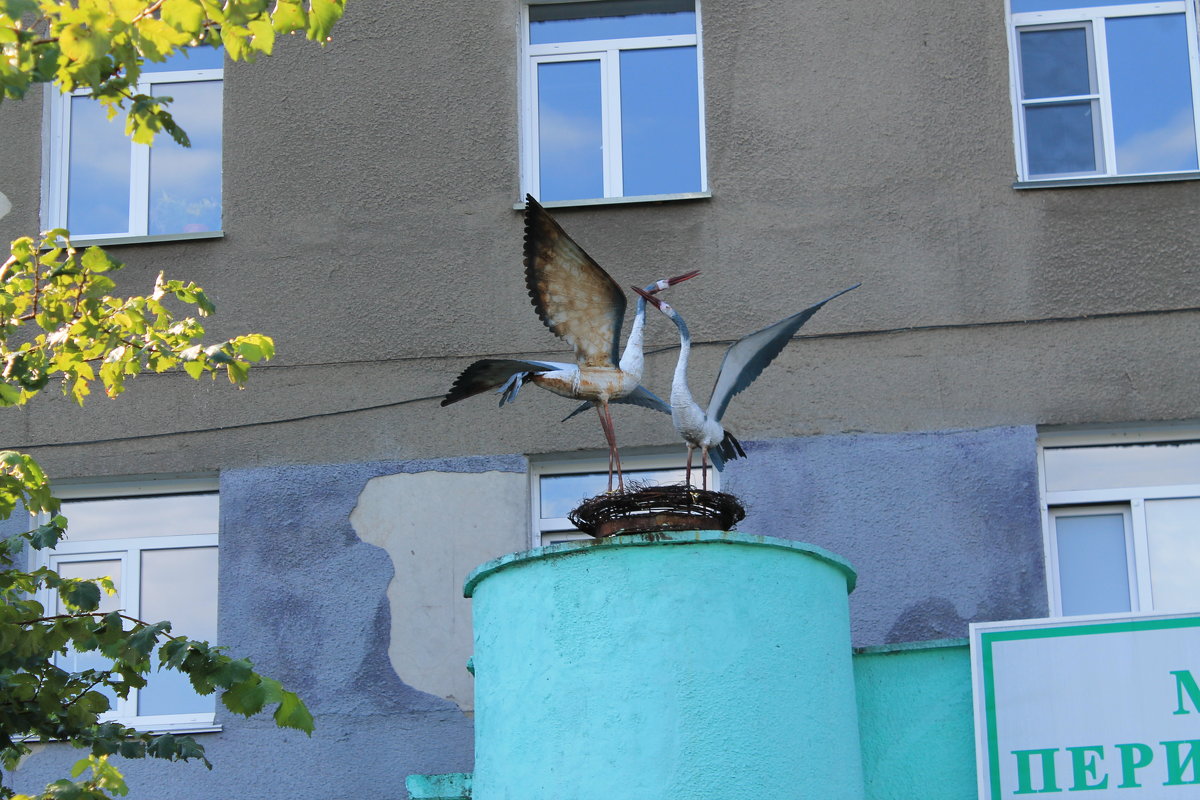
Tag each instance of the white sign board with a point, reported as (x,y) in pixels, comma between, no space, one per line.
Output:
(1106,705)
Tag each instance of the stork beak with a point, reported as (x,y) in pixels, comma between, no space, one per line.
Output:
(666,283)
(648,297)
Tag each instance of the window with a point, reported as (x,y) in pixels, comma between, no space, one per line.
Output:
(1104,91)
(161,552)
(102,186)
(1122,527)
(613,107)
(561,485)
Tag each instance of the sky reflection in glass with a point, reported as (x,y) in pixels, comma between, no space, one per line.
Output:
(1093,574)
(660,144)
(1054,63)
(582,22)
(1061,138)
(1173,538)
(1021,6)
(98,181)
(560,494)
(185,183)
(1150,76)
(570,142)
(179,584)
(193,58)
(73,660)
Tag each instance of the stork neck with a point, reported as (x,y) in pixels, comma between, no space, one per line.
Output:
(685,350)
(632,359)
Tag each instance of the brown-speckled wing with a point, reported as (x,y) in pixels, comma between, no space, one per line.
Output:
(574,297)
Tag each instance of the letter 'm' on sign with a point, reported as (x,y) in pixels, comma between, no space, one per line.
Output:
(1134,756)
(1184,682)
(1025,771)
(1177,763)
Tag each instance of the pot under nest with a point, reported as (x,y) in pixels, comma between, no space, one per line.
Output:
(653,509)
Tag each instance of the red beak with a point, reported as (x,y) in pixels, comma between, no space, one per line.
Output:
(681,278)
(649,297)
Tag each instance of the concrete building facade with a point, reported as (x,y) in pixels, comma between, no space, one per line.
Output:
(1011,307)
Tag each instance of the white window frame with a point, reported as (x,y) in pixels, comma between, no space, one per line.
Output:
(1092,19)
(128,552)
(607,52)
(57,158)
(1129,501)
(561,528)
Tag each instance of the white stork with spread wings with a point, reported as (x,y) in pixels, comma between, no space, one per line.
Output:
(744,361)
(581,303)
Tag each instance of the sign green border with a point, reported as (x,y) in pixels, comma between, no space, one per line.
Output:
(988,638)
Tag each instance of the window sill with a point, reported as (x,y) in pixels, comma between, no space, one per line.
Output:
(105,241)
(1106,180)
(173,728)
(613,201)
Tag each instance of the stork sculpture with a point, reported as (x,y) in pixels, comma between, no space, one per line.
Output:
(744,361)
(581,303)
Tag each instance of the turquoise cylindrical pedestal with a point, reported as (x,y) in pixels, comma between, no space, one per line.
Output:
(680,666)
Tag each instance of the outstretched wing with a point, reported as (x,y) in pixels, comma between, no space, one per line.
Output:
(575,298)
(749,356)
(490,373)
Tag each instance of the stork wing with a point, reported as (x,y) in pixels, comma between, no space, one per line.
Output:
(749,356)
(575,298)
(489,373)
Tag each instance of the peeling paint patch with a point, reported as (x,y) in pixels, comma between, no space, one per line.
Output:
(5,205)
(436,527)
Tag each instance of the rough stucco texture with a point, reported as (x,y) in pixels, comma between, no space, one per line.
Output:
(917,723)
(943,528)
(306,601)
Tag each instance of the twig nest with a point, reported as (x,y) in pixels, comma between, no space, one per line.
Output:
(651,509)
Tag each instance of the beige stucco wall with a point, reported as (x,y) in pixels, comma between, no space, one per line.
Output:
(369,227)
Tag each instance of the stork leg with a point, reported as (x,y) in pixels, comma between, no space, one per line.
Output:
(704,467)
(688,475)
(614,458)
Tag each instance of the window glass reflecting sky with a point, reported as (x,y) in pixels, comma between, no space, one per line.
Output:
(180,585)
(1149,71)
(570,142)
(660,144)
(1054,63)
(98,180)
(1021,6)
(185,182)
(1061,138)
(580,22)
(560,494)
(193,58)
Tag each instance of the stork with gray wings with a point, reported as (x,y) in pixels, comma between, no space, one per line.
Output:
(744,361)
(581,303)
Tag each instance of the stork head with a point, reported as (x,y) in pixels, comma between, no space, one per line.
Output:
(667,283)
(649,297)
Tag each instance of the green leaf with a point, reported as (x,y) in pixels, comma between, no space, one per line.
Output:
(292,713)
(184,15)
(322,15)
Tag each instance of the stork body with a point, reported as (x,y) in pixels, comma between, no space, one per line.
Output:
(744,361)
(581,303)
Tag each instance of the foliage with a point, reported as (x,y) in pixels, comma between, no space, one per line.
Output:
(60,321)
(101,45)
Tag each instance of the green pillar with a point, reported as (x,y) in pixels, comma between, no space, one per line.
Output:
(681,666)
